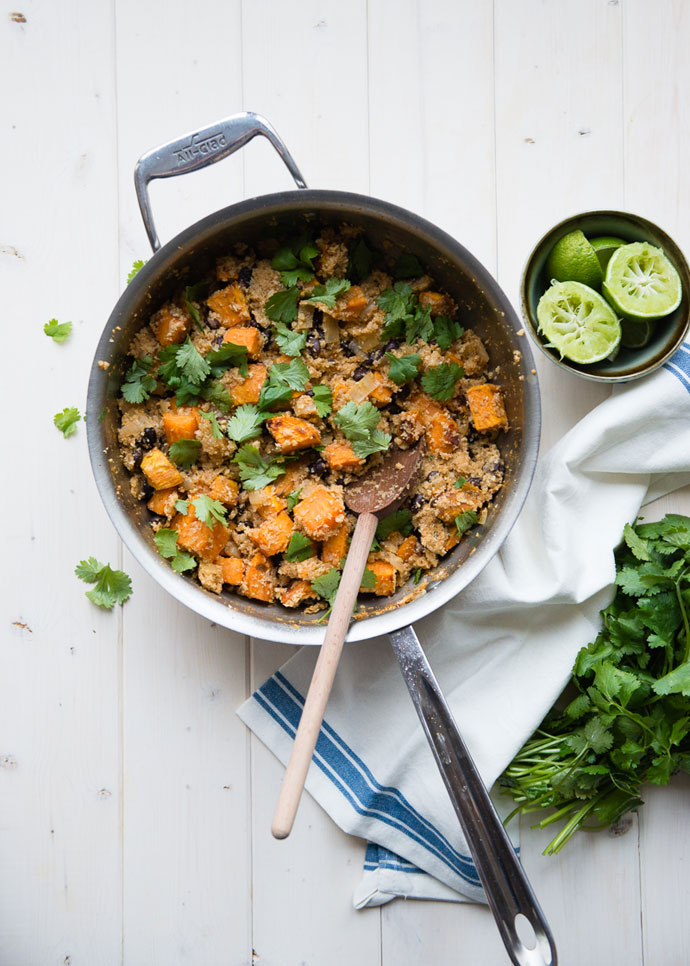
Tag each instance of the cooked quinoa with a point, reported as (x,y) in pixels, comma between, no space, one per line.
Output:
(257,394)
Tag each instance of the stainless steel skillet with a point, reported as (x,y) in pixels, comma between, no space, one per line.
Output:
(484,307)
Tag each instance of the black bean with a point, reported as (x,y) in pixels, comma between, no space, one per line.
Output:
(317,318)
(137,457)
(245,276)
(347,349)
(148,438)
(318,467)
(404,392)
(255,325)
(393,409)
(416,502)
(147,491)
(359,373)
(472,435)
(158,518)
(431,475)
(496,467)
(392,344)
(474,480)
(218,340)
(376,354)
(309,392)
(212,323)
(313,344)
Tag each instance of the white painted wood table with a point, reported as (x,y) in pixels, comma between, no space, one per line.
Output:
(134,806)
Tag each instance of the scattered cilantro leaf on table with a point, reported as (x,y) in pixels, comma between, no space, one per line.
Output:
(185,452)
(282,307)
(255,471)
(112,586)
(300,548)
(166,542)
(67,420)
(440,381)
(328,293)
(323,399)
(139,383)
(58,331)
(136,267)
(403,368)
(289,342)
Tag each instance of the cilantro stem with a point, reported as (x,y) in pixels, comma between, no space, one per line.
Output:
(684,614)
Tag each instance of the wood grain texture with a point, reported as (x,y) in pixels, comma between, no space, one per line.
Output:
(134,807)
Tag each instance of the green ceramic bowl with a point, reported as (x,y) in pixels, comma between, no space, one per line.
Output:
(668,332)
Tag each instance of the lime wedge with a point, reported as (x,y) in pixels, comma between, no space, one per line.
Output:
(573,259)
(641,283)
(605,247)
(578,322)
(636,334)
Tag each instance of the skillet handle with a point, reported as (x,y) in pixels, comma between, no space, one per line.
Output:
(507,888)
(198,149)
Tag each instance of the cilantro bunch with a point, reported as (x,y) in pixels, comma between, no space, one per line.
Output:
(630,721)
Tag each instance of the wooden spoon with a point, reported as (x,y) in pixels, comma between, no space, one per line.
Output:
(384,489)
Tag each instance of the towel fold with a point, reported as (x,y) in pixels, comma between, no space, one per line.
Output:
(502,650)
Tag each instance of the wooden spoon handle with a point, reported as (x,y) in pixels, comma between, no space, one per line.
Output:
(322,679)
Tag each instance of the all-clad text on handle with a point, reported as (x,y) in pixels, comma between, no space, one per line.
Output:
(197,150)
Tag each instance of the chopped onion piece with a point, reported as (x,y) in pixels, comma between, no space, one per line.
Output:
(367,342)
(361,389)
(331,329)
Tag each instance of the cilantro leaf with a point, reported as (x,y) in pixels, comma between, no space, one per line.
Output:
(293,499)
(460,482)
(139,383)
(377,442)
(440,381)
(206,510)
(191,363)
(255,471)
(328,293)
(294,261)
(245,423)
(67,420)
(368,579)
(420,326)
(58,331)
(676,681)
(401,521)
(300,548)
(446,331)
(403,368)
(327,585)
(289,342)
(112,586)
(323,399)
(229,354)
(362,260)
(407,266)
(464,521)
(357,421)
(166,542)
(217,431)
(136,267)
(284,378)
(185,452)
(282,307)
(397,302)
(192,294)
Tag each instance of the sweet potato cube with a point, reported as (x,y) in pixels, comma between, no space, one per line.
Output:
(350,305)
(230,304)
(159,471)
(453,540)
(381,395)
(385,578)
(249,389)
(486,407)
(439,304)
(297,592)
(232,569)
(341,457)
(448,504)
(182,424)
(259,580)
(289,481)
(320,514)
(225,490)
(292,434)
(442,433)
(163,502)
(407,547)
(247,336)
(274,534)
(195,536)
(170,326)
(266,502)
(334,549)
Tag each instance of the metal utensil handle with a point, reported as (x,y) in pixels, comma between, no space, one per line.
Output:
(197,150)
(507,888)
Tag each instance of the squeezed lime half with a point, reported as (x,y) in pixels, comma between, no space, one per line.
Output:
(572,258)
(636,334)
(605,246)
(641,283)
(578,322)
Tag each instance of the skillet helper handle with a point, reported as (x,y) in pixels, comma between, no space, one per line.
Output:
(197,150)
(323,677)
(506,886)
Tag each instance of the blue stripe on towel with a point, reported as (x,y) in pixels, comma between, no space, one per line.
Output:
(679,365)
(378,857)
(357,784)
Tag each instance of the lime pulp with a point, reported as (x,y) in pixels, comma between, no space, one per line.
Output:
(572,258)
(578,322)
(641,283)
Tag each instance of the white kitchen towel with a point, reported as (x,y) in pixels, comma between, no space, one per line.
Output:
(502,650)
